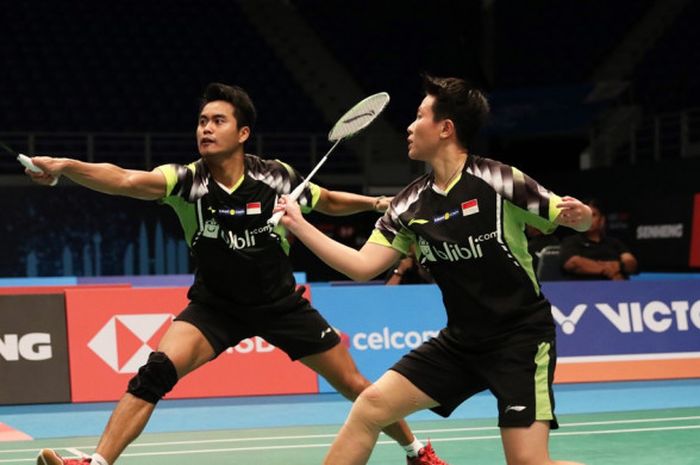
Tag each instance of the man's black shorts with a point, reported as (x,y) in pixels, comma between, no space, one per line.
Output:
(520,376)
(291,324)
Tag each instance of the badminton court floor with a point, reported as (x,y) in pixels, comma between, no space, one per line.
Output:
(601,424)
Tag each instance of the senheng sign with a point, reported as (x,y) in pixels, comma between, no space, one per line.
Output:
(660,231)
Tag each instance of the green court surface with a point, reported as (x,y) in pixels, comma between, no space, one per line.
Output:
(649,437)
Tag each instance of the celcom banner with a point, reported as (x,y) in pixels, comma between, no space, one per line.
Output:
(380,323)
(33,349)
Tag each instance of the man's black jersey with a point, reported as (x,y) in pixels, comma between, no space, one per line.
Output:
(471,238)
(239,258)
(607,249)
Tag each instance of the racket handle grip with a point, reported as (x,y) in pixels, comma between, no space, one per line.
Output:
(28,164)
(275,219)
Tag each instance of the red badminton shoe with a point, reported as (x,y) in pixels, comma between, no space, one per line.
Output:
(426,456)
(50,457)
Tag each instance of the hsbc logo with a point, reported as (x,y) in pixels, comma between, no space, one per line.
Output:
(634,317)
(125,342)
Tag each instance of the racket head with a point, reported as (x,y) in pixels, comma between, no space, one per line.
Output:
(8,149)
(359,116)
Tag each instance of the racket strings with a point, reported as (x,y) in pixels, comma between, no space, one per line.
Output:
(359,117)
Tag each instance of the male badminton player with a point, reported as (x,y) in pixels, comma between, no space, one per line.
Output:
(243,284)
(466,218)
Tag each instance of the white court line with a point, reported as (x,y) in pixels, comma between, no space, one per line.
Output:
(310,446)
(615,431)
(567,425)
(332,435)
(628,357)
(76,453)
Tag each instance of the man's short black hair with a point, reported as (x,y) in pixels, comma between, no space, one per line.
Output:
(243,108)
(459,101)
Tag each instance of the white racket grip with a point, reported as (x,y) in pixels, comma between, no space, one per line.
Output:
(275,219)
(27,163)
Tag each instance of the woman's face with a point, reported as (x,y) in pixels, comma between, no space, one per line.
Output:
(424,132)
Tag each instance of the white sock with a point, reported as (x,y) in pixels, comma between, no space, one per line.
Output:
(412,448)
(97,459)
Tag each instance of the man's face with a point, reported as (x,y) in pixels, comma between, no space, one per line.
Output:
(217,130)
(424,133)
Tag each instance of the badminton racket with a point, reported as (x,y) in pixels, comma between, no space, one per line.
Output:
(25,161)
(352,122)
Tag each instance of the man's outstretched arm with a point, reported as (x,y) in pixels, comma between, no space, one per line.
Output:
(102,177)
(339,203)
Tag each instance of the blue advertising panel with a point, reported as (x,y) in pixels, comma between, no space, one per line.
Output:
(603,321)
(380,323)
(621,318)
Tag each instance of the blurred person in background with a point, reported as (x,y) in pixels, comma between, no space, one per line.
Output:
(594,255)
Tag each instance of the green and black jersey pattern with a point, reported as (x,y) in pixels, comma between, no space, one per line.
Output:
(471,238)
(239,258)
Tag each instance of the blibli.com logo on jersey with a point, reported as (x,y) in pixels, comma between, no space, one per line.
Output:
(453,252)
(246,238)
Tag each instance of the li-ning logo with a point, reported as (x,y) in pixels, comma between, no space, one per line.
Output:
(453,252)
(126,340)
(367,114)
(515,408)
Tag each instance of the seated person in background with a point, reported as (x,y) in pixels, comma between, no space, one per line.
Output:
(409,271)
(595,255)
(536,241)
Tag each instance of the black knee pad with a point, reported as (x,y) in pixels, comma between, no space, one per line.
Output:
(155,379)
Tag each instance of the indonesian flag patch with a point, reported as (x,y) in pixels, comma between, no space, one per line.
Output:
(253,208)
(470,207)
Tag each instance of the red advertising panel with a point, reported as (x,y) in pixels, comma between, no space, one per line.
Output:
(695,234)
(36,290)
(112,331)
